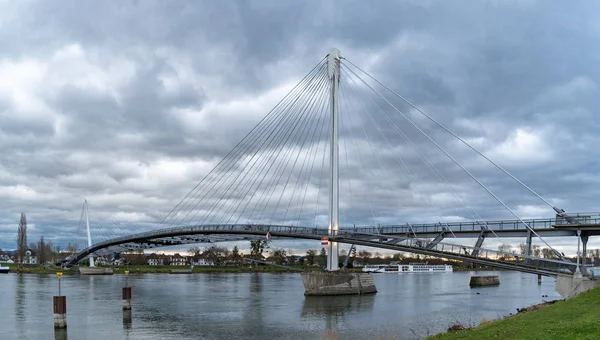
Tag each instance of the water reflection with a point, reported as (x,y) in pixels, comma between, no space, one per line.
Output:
(334,310)
(60,334)
(127,319)
(253,316)
(20,303)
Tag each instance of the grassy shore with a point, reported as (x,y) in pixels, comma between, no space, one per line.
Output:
(577,318)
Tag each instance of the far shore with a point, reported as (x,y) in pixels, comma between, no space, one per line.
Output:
(146,269)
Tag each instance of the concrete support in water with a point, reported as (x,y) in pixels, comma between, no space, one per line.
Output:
(338,283)
(60,311)
(126,298)
(479,243)
(482,281)
(539,279)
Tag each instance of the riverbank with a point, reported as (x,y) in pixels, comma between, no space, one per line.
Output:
(576,318)
(34,269)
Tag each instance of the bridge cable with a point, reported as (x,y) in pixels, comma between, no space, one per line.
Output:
(263,202)
(267,160)
(264,137)
(280,140)
(309,155)
(457,163)
(429,165)
(321,137)
(255,131)
(277,116)
(558,210)
(400,161)
(374,212)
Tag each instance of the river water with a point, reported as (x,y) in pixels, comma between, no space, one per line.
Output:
(257,306)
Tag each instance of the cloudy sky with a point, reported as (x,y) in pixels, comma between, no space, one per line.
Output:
(130,104)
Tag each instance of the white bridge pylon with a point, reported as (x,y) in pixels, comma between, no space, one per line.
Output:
(333,69)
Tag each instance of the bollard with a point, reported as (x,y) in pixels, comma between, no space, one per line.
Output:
(60,307)
(539,279)
(126,294)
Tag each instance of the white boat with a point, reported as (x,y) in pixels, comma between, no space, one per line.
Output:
(4,270)
(397,268)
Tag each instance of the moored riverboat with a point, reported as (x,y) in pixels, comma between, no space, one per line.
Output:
(397,268)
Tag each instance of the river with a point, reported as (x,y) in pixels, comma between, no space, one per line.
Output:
(257,306)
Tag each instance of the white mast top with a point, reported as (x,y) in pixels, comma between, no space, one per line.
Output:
(89,234)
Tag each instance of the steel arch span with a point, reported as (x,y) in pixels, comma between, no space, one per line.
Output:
(236,232)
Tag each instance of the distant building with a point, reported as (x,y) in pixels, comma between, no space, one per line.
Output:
(178,260)
(30,257)
(102,261)
(6,259)
(203,262)
(156,260)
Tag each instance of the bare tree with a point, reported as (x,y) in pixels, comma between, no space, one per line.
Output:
(546,253)
(365,256)
(44,250)
(195,252)
(536,251)
(217,254)
(505,249)
(522,249)
(71,248)
(22,239)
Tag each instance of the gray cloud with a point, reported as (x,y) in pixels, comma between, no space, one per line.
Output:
(131,105)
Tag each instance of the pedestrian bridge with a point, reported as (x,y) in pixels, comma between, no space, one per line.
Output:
(392,238)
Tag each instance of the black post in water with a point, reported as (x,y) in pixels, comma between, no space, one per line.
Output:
(60,307)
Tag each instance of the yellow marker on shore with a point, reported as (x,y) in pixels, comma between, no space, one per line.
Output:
(59,275)
(127,272)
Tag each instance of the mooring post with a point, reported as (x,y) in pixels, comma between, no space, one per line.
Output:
(539,279)
(126,293)
(60,307)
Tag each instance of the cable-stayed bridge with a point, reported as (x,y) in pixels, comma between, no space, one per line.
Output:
(343,137)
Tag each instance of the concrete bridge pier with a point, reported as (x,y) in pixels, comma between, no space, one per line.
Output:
(569,286)
(528,246)
(584,241)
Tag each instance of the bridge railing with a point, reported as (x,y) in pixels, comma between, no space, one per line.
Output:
(581,218)
(474,226)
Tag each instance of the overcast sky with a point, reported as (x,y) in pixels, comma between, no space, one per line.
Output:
(130,104)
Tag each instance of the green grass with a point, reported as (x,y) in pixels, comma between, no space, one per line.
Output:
(577,318)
